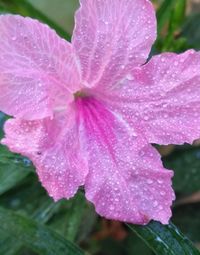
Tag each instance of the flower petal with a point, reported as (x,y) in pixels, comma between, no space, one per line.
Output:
(54,148)
(126,179)
(162,98)
(111,37)
(37,68)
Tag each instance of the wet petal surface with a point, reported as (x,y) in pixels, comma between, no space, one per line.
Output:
(162,98)
(111,37)
(54,148)
(37,68)
(126,179)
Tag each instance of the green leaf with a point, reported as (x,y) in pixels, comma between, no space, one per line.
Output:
(172,12)
(46,210)
(88,222)
(74,216)
(24,8)
(42,215)
(191,31)
(186,217)
(2,120)
(186,165)
(13,169)
(164,12)
(170,16)
(165,239)
(39,238)
(6,244)
(75,219)
(177,16)
(2,117)
(134,245)
(40,207)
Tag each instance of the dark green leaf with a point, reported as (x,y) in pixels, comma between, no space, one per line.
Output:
(2,120)
(75,219)
(191,31)
(186,217)
(42,214)
(74,216)
(39,206)
(186,165)
(47,209)
(134,245)
(89,219)
(165,239)
(35,236)
(111,247)
(2,117)
(7,245)
(13,169)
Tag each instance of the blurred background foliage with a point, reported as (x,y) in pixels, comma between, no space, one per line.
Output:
(31,223)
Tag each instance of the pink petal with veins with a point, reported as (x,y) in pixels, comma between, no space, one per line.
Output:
(126,179)
(101,139)
(35,66)
(161,99)
(54,148)
(111,37)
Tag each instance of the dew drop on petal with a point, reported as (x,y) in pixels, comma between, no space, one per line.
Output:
(155,203)
(149,181)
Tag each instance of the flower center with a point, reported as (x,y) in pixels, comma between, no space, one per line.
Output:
(80,94)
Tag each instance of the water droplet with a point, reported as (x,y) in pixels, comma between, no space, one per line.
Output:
(26,162)
(112,207)
(146,118)
(155,203)
(162,193)
(130,77)
(160,181)
(149,181)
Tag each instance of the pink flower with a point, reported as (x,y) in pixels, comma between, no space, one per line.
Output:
(87,112)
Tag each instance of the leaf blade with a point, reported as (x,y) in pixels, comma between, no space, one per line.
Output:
(186,164)
(13,169)
(163,13)
(36,236)
(165,239)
